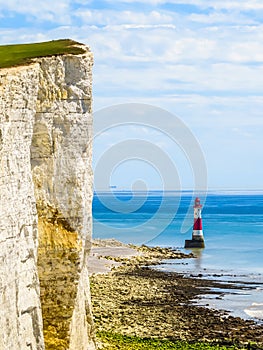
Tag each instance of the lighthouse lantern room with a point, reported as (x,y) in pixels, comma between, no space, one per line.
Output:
(197,240)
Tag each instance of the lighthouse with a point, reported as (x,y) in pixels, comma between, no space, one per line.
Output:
(197,240)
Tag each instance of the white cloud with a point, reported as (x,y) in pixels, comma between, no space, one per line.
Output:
(217,4)
(148,26)
(225,18)
(237,5)
(110,17)
(48,10)
(247,52)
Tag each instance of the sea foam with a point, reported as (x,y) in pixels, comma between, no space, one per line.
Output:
(255,311)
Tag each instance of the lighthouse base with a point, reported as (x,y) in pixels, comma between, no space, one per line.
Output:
(194,243)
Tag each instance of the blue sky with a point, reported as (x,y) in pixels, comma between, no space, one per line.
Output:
(200,60)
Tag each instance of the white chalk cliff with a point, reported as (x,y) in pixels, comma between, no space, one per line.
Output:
(45,204)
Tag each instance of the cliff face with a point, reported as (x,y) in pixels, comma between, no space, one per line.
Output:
(20,314)
(45,204)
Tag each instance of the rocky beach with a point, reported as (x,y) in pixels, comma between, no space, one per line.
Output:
(132,299)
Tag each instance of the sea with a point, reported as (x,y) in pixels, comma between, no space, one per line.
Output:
(233,233)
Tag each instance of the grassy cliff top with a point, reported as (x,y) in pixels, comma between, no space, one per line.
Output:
(15,55)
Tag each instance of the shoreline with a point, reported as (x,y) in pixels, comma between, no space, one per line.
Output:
(135,300)
(240,295)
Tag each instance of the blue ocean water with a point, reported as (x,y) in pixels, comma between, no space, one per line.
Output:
(233,232)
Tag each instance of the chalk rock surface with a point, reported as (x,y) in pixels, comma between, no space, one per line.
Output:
(45,204)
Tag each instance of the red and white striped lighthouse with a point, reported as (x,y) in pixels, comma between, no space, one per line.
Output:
(197,240)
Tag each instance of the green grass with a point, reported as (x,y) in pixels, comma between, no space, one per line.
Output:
(114,341)
(15,55)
